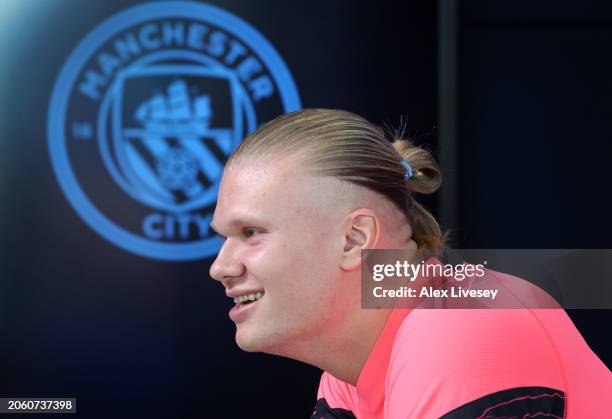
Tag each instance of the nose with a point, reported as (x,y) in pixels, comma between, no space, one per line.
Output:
(227,264)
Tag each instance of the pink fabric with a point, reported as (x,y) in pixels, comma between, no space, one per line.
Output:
(427,362)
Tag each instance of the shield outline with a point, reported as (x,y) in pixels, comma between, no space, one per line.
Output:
(130,176)
(57,139)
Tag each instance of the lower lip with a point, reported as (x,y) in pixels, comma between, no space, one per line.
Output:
(239,312)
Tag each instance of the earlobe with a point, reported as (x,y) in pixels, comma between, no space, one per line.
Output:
(362,233)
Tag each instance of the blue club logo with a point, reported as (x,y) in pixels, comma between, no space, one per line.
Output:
(146,111)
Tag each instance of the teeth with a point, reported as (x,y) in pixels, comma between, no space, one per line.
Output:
(248,297)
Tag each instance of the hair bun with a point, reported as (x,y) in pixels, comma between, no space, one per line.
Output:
(426,173)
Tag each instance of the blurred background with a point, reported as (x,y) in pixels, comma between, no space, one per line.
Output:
(100,304)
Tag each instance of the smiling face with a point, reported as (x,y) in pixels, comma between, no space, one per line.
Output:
(283,232)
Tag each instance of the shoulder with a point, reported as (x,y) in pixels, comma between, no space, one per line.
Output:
(447,358)
(471,336)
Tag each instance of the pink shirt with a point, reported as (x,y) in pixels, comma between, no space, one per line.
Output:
(476,363)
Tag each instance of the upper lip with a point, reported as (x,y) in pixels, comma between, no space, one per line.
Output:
(238,293)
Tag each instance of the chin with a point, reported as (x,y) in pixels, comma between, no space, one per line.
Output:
(246,347)
(250,341)
(247,342)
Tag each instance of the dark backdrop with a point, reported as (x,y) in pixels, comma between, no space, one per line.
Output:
(83,318)
(80,317)
(535,143)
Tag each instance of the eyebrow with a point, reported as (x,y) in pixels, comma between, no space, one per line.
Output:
(237,222)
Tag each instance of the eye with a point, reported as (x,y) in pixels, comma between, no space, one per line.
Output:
(250,232)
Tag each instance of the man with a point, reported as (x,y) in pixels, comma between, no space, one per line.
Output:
(299,201)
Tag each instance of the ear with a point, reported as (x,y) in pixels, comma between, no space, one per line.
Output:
(362,232)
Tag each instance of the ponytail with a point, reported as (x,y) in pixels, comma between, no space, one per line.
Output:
(426,179)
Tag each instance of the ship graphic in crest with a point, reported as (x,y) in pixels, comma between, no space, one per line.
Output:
(175,112)
(170,154)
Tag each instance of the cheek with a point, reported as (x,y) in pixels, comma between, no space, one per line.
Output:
(296,270)
(312,277)
(263,257)
(319,251)
(285,253)
(319,242)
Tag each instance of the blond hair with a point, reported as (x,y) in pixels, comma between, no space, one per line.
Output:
(348,147)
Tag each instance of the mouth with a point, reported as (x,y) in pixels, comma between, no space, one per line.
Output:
(247,299)
(245,304)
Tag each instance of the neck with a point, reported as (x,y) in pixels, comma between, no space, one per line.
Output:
(344,351)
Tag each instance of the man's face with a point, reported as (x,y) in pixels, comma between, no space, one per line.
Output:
(283,238)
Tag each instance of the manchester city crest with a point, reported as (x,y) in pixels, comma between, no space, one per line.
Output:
(145,113)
